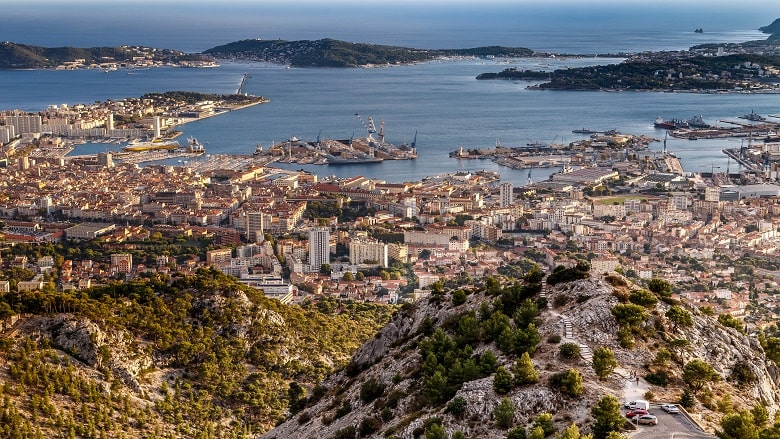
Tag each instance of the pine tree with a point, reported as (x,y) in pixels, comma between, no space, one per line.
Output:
(524,371)
(502,381)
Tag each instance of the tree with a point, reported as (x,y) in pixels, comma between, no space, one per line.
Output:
(435,431)
(296,396)
(457,406)
(517,433)
(687,399)
(679,317)
(571,432)
(604,362)
(504,413)
(524,371)
(536,433)
(606,417)
(629,314)
(697,374)
(502,381)
(348,276)
(738,425)
(568,382)
(643,298)
(730,321)
(545,422)
(660,287)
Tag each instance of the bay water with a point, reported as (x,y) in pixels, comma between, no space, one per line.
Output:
(441,102)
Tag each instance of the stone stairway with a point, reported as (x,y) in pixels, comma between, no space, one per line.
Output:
(568,329)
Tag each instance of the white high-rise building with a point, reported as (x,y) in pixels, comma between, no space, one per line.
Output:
(110,122)
(23,123)
(506,194)
(361,252)
(319,248)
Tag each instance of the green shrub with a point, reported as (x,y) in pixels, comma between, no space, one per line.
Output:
(568,382)
(345,408)
(643,298)
(370,390)
(369,426)
(660,378)
(457,406)
(570,350)
(345,433)
(504,413)
(554,339)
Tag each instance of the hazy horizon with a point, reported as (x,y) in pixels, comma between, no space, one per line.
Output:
(196,25)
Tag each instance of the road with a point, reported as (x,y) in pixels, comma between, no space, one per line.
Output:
(669,426)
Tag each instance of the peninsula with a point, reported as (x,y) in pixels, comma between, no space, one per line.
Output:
(753,66)
(22,56)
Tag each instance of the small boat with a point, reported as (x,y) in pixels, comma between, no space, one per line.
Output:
(258,149)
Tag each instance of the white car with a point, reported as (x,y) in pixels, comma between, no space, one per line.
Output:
(670,408)
(646,420)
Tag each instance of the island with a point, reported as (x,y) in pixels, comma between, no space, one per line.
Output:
(335,53)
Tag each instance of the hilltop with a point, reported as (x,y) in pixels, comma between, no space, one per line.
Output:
(335,53)
(23,56)
(772,29)
(191,357)
(452,363)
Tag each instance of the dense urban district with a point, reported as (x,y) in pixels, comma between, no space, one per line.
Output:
(219,296)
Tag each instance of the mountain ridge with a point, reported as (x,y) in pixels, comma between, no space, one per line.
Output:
(392,361)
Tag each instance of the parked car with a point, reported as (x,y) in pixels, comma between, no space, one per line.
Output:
(647,420)
(670,408)
(636,412)
(637,404)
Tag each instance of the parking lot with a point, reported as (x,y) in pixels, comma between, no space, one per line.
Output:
(669,426)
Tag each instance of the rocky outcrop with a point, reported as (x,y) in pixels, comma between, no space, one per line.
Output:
(584,307)
(85,341)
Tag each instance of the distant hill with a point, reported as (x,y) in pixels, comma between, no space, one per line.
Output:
(335,53)
(23,56)
(773,29)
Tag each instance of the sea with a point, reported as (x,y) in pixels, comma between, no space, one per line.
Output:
(440,104)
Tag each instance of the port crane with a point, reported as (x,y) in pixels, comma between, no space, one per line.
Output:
(369,127)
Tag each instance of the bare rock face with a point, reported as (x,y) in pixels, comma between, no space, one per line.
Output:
(85,341)
(79,337)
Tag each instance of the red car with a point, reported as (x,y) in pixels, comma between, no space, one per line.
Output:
(636,412)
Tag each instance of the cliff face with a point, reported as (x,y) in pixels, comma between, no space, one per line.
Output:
(581,315)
